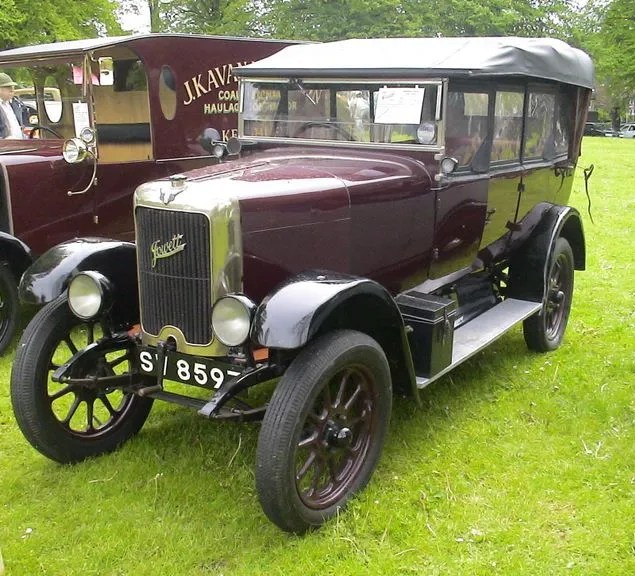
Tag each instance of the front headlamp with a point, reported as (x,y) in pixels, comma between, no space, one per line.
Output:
(231,319)
(88,295)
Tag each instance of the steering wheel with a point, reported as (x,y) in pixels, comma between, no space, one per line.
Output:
(44,128)
(333,127)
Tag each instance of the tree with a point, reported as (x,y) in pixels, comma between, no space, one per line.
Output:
(41,21)
(606,30)
(226,17)
(336,19)
(616,51)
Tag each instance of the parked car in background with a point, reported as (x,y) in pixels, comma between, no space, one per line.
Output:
(390,208)
(106,115)
(594,129)
(627,130)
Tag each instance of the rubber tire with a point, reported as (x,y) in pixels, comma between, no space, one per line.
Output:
(534,328)
(285,416)
(10,306)
(32,409)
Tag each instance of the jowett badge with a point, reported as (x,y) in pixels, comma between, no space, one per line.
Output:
(167,249)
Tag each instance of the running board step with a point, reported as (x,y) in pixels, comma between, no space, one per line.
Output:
(472,337)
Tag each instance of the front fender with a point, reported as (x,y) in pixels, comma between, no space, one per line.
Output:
(48,277)
(16,253)
(316,301)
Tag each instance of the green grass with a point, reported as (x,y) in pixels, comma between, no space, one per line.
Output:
(518,463)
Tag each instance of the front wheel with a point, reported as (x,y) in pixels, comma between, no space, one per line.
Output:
(544,331)
(71,422)
(324,430)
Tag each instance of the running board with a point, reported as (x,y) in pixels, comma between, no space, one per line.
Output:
(472,337)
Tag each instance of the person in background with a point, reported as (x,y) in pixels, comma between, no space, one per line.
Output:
(12,111)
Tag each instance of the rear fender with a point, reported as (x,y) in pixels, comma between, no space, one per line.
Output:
(537,251)
(316,302)
(48,277)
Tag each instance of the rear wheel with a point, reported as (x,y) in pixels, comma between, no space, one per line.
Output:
(71,422)
(9,306)
(544,331)
(324,430)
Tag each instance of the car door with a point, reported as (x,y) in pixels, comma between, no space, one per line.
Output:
(505,168)
(545,148)
(461,197)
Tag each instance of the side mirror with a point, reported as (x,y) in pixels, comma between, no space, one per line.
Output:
(212,143)
(208,139)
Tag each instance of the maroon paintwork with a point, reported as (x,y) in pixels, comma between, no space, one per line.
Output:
(378,214)
(34,178)
(371,206)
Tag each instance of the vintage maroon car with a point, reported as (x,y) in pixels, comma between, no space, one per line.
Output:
(398,204)
(146,106)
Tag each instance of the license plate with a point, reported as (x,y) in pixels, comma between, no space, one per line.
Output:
(185,369)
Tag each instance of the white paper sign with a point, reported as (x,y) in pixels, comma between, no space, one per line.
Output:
(80,115)
(399,105)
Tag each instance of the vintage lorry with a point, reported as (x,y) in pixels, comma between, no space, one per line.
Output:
(146,105)
(389,209)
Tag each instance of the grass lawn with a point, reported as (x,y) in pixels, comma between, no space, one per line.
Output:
(518,463)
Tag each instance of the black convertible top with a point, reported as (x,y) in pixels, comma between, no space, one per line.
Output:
(543,58)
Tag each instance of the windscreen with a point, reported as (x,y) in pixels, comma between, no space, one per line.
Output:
(369,112)
(46,100)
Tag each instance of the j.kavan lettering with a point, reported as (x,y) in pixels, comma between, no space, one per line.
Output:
(213,79)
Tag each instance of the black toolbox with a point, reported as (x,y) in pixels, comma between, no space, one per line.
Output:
(430,323)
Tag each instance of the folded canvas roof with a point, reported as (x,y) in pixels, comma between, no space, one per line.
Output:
(543,58)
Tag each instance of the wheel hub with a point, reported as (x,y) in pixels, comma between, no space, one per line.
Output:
(338,436)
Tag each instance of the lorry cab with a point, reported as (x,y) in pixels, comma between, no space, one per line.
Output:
(142,107)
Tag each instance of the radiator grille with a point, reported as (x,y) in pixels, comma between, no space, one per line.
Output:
(177,290)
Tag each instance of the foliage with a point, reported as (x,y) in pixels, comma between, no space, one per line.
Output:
(40,21)
(336,19)
(616,49)
(517,464)
(606,30)
(222,17)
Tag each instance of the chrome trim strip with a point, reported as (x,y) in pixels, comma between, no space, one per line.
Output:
(184,158)
(385,146)
(18,150)
(346,80)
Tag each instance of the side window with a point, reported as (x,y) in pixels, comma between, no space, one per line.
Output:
(261,106)
(508,126)
(167,93)
(562,130)
(353,113)
(466,124)
(539,129)
(122,109)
